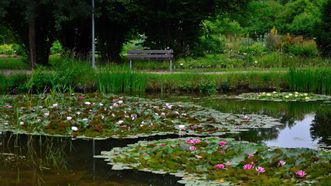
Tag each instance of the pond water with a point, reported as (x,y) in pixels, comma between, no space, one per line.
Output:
(35,160)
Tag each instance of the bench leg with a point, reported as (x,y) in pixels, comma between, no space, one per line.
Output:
(130,64)
(170,68)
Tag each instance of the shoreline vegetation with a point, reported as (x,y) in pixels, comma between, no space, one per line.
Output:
(75,77)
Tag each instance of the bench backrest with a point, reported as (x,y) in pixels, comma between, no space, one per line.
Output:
(151,54)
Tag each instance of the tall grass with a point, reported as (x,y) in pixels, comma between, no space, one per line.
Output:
(120,80)
(316,80)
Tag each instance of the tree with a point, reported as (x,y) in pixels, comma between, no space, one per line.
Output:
(323,31)
(32,25)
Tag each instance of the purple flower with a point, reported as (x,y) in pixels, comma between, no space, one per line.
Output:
(300,173)
(219,166)
(260,169)
(248,167)
(222,143)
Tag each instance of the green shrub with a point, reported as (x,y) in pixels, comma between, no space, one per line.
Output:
(56,48)
(17,83)
(305,49)
(40,81)
(7,49)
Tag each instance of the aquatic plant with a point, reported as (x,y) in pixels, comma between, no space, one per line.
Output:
(206,164)
(96,115)
(284,96)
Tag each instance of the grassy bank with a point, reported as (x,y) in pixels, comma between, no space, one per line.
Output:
(80,77)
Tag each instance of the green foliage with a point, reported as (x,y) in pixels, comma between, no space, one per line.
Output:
(7,49)
(317,80)
(323,30)
(56,48)
(120,80)
(306,49)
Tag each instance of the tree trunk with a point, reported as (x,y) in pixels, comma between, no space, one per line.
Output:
(32,43)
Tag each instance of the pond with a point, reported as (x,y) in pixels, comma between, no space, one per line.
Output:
(39,160)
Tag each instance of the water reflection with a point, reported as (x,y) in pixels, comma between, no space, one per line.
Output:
(304,124)
(40,161)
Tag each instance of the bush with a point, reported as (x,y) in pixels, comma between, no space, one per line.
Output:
(306,49)
(56,48)
(7,49)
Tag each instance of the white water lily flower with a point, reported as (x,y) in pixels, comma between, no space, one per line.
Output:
(120,122)
(182,127)
(46,114)
(78,113)
(110,107)
(100,104)
(168,106)
(87,103)
(163,114)
(268,94)
(120,101)
(290,94)
(115,105)
(55,105)
(287,97)
(69,118)
(21,123)
(85,119)
(157,114)
(307,98)
(74,128)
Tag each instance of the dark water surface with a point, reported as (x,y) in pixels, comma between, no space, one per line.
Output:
(52,161)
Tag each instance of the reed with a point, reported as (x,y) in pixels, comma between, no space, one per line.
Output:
(120,80)
(315,80)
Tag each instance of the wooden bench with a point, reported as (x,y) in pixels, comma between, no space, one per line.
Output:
(160,55)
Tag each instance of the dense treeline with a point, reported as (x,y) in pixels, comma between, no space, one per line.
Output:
(187,26)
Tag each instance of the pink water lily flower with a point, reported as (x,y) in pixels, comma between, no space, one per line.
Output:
(193,148)
(219,166)
(162,144)
(260,169)
(250,155)
(300,173)
(222,143)
(198,156)
(192,141)
(248,167)
(281,163)
(228,163)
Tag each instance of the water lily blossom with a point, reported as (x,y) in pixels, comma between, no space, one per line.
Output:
(260,169)
(87,103)
(192,148)
(228,163)
(250,155)
(181,127)
(300,173)
(198,156)
(192,141)
(281,163)
(74,128)
(69,118)
(219,166)
(248,167)
(222,143)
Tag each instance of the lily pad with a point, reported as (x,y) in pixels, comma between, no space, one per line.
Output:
(284,96)
(104,116)
(228,164)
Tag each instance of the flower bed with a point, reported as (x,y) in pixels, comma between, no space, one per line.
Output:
(95,115)
(216,161)
(284,96)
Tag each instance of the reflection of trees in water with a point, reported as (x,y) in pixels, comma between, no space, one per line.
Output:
(259,135)
(321,126)
(32,155)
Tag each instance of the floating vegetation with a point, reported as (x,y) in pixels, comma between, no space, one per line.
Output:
(217,161)
(96,115)
(284,96)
